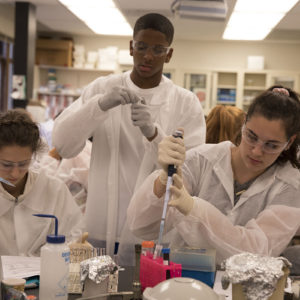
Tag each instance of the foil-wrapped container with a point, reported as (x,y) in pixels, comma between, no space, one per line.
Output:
(97,268)
(258,275)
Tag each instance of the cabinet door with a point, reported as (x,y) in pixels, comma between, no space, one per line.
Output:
(199,83)
(224,88)
(253,85)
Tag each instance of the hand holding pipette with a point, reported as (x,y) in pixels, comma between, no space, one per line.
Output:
(171,154)
(181,199)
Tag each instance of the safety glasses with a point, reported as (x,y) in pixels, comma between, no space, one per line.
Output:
(8,166)
(156,50)
(267,146)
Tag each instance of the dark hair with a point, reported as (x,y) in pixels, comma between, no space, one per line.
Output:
(17,128)
(274,105)
(156,22)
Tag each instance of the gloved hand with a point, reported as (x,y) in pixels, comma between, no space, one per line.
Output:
(141,116)
(180,198)
(116,96)
(171,151)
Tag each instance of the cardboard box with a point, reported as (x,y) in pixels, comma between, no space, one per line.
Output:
(54,52)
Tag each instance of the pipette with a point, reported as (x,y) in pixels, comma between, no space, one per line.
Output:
(6,181)
(171,171)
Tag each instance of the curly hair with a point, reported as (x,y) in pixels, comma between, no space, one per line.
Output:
(274,105)
(17,128)
(224,123)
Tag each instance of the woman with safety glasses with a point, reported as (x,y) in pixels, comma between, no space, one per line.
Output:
(26,192)
(227,197)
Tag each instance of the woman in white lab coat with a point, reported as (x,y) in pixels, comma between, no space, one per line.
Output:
(234,198)
(32,193)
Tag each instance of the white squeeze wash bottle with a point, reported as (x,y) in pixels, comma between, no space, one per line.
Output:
(55,259)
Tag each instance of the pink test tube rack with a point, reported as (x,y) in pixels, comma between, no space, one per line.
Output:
(153,271)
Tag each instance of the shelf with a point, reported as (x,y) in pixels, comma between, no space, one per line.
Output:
(226,102)
(75,69)
(226,86)
(58,94)
(254,88)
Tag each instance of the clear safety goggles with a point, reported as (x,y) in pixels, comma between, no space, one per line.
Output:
(8,166)
(156,50)
(267,146)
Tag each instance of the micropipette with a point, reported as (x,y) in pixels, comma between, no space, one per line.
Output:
(6,181)
(171,170)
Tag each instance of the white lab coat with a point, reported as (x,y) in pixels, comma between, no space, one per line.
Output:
(121,156)
(263,221)
(73,172)
(21,233)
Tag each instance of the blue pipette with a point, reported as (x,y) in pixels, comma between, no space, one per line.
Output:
(171,170)
(6,181)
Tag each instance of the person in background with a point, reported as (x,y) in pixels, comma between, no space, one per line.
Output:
(127,115)
(73,171)
(227,197)
(29,192)
(224,123)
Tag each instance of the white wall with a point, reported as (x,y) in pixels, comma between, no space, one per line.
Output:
(209,55)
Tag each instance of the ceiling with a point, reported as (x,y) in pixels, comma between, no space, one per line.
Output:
(53,16)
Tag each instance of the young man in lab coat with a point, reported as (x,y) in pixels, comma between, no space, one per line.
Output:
(127,115)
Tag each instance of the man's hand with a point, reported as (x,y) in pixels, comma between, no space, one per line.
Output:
(116,96)
(141,117)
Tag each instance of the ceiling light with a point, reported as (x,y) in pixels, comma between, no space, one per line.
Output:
(101,16)
(253,20)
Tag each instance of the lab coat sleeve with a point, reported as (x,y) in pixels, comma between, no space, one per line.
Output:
(145,210)
(77,122)
(189,115)
(268,234)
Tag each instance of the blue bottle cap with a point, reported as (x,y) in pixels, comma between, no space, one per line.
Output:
(165,250)
(55,239)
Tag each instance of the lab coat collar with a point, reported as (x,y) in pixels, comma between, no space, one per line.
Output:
(221,161)
(7,200)
(145,92)
(285,173)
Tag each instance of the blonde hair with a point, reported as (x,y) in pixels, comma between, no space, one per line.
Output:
(224,123)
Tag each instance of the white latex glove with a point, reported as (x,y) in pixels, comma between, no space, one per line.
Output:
(116,96)
(171,151)
(180,198)
(141,117)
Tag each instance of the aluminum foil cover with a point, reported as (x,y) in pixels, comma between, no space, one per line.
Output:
(257,274)
(97,268)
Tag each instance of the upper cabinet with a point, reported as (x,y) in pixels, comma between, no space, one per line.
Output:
(253,84)
(225,85)
(200,84)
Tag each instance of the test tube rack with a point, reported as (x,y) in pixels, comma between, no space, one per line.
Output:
(153,271)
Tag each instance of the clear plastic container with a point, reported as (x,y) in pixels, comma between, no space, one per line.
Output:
(148,248)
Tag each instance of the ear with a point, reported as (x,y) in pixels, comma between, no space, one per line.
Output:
(131,48)
(291,141)
(169,55)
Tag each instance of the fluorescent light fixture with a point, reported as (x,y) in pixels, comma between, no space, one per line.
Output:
(101,16)
(254,19)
